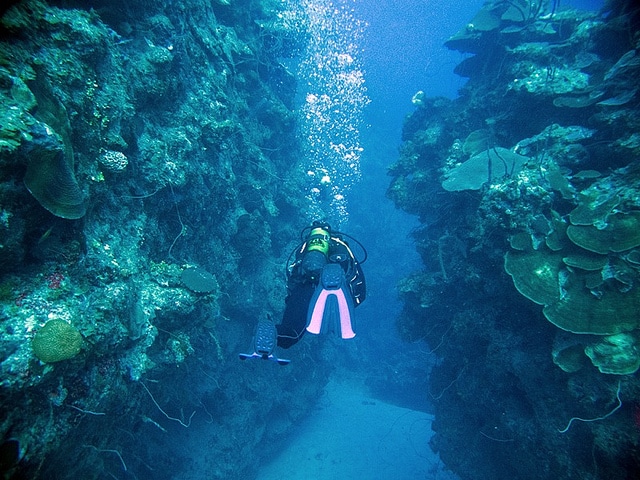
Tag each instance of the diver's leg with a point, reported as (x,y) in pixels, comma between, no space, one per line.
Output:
(294,319)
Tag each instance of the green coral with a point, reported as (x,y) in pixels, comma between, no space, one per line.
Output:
(569,359)
(616,354)
(541,277)
(487,166)
(16,102)
(57,340)
(622,232)
(535,274)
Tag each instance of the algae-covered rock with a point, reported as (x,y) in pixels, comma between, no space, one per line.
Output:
(16,101)
(57,340)
(564,81)
(616,354)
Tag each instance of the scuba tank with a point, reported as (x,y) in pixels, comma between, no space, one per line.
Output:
(314,254)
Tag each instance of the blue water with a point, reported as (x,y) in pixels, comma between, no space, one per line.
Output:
(401,53)
(404,53)
(365,61)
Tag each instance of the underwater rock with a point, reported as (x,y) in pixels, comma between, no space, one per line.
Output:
(57,340)
(536,80)
(10,455)
(146,82)
(16,103)
(551,114)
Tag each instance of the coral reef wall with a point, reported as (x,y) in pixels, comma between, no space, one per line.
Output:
(148,202)
(527,187)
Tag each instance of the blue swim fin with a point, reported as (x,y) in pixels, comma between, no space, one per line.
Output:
(264,343)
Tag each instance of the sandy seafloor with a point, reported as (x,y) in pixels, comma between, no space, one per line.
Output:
(353,436)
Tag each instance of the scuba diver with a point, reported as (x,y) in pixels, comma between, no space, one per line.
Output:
(325,283)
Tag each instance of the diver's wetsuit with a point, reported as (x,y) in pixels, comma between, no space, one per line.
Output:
(301,286)
(294,319)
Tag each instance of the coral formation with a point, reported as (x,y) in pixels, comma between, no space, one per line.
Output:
(57,340)
(559,231)
(114,161)
(51,181)
(146,131)
(616,354)
(485,166)
(621,233)
(199,280)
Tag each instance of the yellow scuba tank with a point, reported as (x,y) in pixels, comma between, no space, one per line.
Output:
(315,251)
(318,240)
